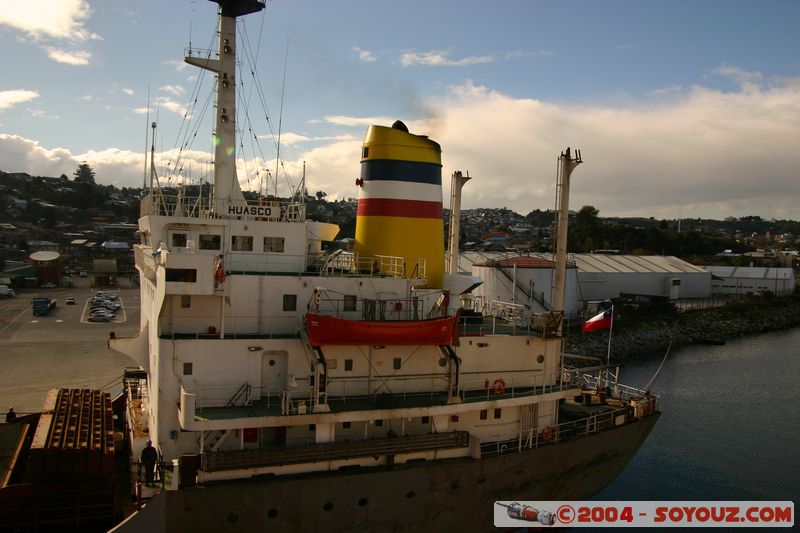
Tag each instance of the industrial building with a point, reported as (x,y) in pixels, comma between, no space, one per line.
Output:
(743,281)
(591,278)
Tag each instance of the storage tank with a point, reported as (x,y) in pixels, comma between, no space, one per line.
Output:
(400,201)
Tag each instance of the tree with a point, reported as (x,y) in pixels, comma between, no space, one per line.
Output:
(84,174)
(587,216)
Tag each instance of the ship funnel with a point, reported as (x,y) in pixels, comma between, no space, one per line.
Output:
(400,201)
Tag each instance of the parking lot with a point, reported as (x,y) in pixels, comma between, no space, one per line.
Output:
(61,349)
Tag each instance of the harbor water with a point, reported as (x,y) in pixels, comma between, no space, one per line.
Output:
(730,426)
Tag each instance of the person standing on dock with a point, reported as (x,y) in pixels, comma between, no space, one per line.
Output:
(11,415)
(149,458)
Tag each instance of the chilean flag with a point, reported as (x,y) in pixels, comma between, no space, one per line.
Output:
(601,321)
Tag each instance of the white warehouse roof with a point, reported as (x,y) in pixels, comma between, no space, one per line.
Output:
(612,263)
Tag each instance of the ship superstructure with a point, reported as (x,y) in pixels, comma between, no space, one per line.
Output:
(327,377)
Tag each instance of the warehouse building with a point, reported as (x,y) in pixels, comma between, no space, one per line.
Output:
(591,278)
(744,281)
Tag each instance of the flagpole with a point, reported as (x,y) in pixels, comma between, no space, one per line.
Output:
(610,331)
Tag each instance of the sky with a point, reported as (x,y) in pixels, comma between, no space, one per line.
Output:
(681,109)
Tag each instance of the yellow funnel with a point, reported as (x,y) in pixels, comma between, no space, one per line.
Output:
(400,201)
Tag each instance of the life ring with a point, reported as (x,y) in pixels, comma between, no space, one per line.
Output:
(547,433)
(499,387)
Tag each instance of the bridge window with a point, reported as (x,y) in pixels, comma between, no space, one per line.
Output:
(209,242)
(273,244)
(187,369)
(348,365)
(290,302)
(242,243)
(350,302)
(397,363)
(345,425)
(483,414)
(186,301)
(498,413)
(178,240)
(186,275)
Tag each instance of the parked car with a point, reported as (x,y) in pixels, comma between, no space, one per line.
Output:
(82,273)
(70,300)
(99,318)
(106,294)
(48,285)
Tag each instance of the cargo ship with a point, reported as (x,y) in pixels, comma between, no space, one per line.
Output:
(290,386)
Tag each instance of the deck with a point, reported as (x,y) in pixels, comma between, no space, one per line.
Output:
(271,405)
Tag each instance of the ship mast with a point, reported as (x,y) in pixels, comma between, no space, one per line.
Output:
(226,183)
(454,236)
(566,164)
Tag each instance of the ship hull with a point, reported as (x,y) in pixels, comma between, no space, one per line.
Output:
(432,496)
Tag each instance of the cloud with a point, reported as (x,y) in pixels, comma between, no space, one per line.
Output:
(439,58)
(48,21)
(688,152)
(746,79)
(18,154)
(177,64)
(177,90)
(39,19)
(517,54)
(365,56)
(127,91)
(705,152)
(343,120)
(16,96)
(697,152)
(291,139)
(167,103)
(78,57)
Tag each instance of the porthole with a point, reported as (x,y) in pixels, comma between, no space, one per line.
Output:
(233,518)
(410,494)
(328,506)
(540,359)
(272,362)
(273,513)
(481,481)
(454,486)
(362,502)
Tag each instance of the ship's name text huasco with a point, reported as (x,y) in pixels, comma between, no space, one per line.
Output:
(256,210)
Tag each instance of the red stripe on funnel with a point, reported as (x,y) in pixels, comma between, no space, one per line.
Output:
(385,207)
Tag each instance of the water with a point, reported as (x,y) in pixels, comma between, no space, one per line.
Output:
(730,426)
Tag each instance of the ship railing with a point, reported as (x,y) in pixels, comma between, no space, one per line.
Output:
(157,203)
(294,398)
(144,259)
(536,437)
(232,327)
(387,391)
(187,203)
(342,263)
(351,307)
(510,319)
(607,381)
(511,385)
